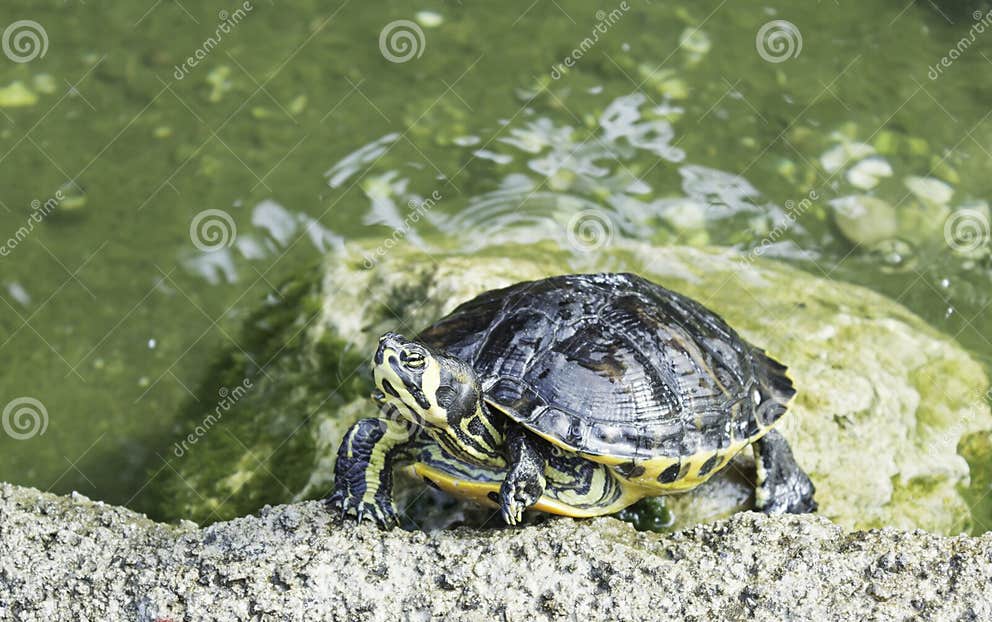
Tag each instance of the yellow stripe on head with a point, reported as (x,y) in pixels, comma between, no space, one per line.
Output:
(440,394)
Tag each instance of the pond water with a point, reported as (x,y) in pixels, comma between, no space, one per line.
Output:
(149,202)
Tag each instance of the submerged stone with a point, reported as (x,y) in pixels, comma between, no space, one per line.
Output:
(864,219)
(930,189)
(883,398)
(843,154)
(866,173)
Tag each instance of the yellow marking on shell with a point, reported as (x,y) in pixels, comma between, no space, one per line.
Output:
(478,492)
(689,470)
(648,481)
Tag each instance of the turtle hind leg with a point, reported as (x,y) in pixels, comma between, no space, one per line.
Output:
(783,487)
(363,470)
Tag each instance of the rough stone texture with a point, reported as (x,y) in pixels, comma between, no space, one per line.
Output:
(883,402)
(65,558)
(883,399)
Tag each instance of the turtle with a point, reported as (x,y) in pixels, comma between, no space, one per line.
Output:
(576,395)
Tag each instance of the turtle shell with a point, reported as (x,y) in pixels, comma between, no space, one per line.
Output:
(613,365)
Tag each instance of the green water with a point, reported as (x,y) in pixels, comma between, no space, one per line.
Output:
(671,127)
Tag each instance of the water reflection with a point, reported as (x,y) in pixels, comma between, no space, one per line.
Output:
(883,205)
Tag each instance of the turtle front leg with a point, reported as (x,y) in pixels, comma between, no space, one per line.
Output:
(783,487)
(524,483)
(363,471)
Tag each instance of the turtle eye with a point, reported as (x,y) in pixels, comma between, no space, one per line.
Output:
(414,360)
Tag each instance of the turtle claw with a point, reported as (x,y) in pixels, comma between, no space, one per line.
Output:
(512,514)
(516,495)
(382,512)
(335,504)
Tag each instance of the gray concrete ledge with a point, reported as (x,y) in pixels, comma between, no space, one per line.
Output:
(69,558)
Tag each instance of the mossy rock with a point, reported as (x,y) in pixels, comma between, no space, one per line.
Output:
(883,402)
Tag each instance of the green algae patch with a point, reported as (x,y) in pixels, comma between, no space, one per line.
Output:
(258,449)
(883,402)
(977,450)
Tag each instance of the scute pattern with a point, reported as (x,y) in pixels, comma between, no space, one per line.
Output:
(613,365)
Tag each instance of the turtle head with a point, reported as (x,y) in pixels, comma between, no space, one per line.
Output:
(437,391)
(428,387)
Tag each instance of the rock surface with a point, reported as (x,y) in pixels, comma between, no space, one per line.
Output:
(884,400)
(67,558)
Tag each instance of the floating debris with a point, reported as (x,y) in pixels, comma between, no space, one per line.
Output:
(694,40)
(73,197)
(664,81)
(261,112)
(219,83)
(298,105)
(696,43)
(429,19)
(17,95)
(787,169)
(466,141)
(18,293)
(44,83)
